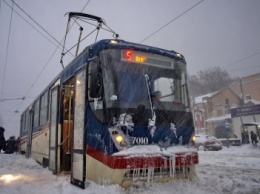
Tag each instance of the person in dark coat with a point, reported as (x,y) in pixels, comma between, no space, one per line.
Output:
(2,139)
(17,144)
(10,145)
(253,138)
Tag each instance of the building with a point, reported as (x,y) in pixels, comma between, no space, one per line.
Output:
(246,119)
(216,108)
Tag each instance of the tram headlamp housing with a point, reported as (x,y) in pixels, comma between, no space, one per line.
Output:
(114,41)
(119,138)
(193,138)
(179,55)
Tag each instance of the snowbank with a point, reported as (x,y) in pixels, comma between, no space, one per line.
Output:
(231,170)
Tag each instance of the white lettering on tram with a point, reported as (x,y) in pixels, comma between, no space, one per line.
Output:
(140,140)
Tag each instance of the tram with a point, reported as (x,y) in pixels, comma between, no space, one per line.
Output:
(119,113)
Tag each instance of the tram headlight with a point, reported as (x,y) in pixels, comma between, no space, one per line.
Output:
(114,41)
(193,138)
(179,55)
(119,138)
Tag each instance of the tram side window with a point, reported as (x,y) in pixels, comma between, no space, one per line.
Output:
(24,122)
(95,80)
(95,89)
(36,113)
(27,120)
(44,108)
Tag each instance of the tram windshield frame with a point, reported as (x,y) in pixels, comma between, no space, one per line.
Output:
(128,84)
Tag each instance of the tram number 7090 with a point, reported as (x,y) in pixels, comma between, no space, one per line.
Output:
(139,140)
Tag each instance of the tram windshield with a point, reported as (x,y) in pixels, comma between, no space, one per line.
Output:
(132,79)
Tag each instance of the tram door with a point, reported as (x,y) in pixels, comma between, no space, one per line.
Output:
(67,124)
(29,133)
(78,156)
(54,129)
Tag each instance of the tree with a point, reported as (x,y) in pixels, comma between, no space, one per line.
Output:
(195,86)
(209,80)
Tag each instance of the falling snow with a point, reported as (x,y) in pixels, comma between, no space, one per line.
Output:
(231,170)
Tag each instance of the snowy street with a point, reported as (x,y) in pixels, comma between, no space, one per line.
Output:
(231,170)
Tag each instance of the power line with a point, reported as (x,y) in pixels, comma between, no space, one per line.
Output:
(45,65)
(57,46)
(47,62)
(5,99)
(243,59)
(17,95)
(171,21)
(85,6)
(238,69)
(226,68)
(30,24)
(7,48)
(36,23)
(37,78)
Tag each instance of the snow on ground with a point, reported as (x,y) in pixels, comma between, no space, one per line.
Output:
(231,170)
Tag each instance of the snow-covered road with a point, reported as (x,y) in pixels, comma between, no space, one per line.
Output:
(231,170)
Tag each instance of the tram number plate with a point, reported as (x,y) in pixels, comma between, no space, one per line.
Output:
(139,140)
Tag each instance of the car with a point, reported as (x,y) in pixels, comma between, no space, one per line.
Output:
(206,142)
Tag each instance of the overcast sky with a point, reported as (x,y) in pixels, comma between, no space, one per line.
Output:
(223,33)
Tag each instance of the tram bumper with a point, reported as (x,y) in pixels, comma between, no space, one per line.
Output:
(140,165)
(146,169)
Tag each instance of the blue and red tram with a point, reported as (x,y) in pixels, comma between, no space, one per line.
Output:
(119,113)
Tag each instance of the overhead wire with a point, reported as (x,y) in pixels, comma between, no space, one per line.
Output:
(37,78)
(226,67)
(35,81)
(81,40)
(183,13)
(98,27)
(108,30)
(13,94)
(30,24)
(85,6)
(7,50)
(5,99)
(243,59)
(37,23)
(244,68)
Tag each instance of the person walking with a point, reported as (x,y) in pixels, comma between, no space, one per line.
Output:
(253,138)
(10,145)
(227,131)
(2,139)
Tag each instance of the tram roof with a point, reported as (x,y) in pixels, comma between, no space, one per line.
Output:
(83,57)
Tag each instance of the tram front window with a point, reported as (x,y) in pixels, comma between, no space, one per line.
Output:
(129,85)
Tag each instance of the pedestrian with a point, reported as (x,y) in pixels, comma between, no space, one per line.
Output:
(227,131)
(17,145)
(253,138)
(2,139)
(10,145)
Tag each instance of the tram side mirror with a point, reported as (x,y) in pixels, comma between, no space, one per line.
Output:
(95,80)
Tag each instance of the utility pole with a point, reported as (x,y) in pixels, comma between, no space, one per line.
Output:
(242,92)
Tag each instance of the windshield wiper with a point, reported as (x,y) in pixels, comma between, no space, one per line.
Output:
(147,80)
(152,121)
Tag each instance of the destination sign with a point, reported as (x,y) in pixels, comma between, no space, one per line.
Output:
(146,58)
